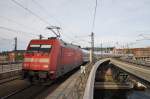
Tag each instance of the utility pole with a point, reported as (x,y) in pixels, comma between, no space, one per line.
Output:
(101,49)
(92,41)
(40,36)
(15,48)
(92,47)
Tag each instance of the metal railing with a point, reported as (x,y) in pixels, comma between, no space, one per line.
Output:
(7,67)
(138,62)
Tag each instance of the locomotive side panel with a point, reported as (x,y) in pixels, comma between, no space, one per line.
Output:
(67,58)
(55,57)
(70,59)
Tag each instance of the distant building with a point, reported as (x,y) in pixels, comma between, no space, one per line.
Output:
(11,56)
(118,51)
(141,53)
(138,53)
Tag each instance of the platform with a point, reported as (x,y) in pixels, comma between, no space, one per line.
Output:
(66,89)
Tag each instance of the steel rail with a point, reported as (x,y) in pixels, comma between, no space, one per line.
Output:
(15,92)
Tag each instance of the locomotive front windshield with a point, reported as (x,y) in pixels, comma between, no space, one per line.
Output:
(40,47)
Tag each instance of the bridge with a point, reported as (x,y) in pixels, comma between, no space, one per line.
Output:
(141,74)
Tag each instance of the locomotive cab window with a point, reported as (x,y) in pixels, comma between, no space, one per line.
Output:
(40,47)
(34,47)
(45,48)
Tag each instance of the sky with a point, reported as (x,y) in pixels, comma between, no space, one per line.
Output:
(118,23)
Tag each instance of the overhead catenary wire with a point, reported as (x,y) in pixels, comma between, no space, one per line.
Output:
(2,38)
(17,31)
(94,16)
(31,12)
(9,39)
(46,13)
(18,23)
(34,14)
(145,36)
(5,42)
(58,21)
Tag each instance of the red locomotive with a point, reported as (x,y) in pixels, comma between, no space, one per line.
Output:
(50,59)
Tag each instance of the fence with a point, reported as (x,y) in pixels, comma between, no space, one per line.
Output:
(10,67)
(138,62)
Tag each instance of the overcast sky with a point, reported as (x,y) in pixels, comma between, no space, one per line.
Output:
(117,23)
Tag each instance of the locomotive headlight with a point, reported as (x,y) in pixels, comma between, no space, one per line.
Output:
(45,66)
(52,72)
(25,65)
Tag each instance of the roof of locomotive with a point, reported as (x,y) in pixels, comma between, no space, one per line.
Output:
(62,43)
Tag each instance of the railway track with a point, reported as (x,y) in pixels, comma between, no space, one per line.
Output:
(32,91)
(6,80)
(29,92)
(15,92)
(12,86)
(20,89)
